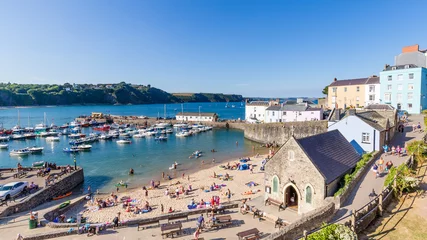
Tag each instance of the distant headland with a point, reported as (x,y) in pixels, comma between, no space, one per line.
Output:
(12,94)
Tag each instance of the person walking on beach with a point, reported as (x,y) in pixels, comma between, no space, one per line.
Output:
(116,220)
(162,208)
(228,194)
(163,175)
(183,174)
(197,234)
(146,192)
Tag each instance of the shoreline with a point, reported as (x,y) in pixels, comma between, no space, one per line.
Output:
(186,168)
(200,180)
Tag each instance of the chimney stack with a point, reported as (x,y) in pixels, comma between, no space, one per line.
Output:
(335,79)
(352,112)
(386,66)
(337,114)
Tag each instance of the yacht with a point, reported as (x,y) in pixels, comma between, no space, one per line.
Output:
(17,137)
(35,149)
(84,147)
(182,134)
(169,130)
(4,145)
(105,137)
(4,138)
(71,150)
(30,135)
(124,141)
(161,138)
(52,139)
(139,135)
(20,152)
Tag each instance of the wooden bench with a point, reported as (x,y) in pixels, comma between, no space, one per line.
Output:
(20,174)
(249,234)
(270,201)
(221,224)
(172,218)
(144,224)
(171,229)
(215,211)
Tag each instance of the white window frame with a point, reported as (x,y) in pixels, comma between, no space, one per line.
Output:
(357,89)
(399,97)
(409,106)
(410,86)
(389,78)
(371,88)
(399,77)
(366,137)
(400,87)
(345,89)
(410,96)
(387,97)
(389,87)
(411,76)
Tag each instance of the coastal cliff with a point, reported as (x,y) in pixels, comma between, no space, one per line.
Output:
(12,94)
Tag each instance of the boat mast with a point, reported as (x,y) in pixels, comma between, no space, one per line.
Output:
(28,120)
(19,119)
(165,113)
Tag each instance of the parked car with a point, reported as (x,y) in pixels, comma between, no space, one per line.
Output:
(12,189)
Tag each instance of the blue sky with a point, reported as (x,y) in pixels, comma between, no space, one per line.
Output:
(253,48)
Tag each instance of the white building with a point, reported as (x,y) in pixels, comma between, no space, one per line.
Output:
(372,91)
(197,117)
(255,110)
(292,113)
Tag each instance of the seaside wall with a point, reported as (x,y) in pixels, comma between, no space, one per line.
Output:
(60,187)
(308,222)
(280,132)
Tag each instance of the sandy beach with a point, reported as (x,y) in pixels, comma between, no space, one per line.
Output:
(199,181)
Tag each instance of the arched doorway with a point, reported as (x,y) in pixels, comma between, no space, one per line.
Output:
(291,197)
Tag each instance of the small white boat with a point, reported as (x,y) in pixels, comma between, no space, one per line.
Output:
(161,138)
(4,146)
(169,130)
(105,137)
(20,152)
(71,150)
(35,149)
(124,141)
(44,134)
(4,138)
(17,136)
(52,139)
(124,134)
(182,134)
(139,135)
(29,135)
(84,147)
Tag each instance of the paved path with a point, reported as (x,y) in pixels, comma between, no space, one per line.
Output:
(18,223)
(360,195)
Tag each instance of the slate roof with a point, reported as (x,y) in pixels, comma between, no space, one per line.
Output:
(274,108)
(331,153)
(257,103)
(380,107)
(372,123)
(296,107)
(398,67)
(356,81)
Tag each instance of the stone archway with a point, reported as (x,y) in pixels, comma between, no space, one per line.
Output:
(291,196)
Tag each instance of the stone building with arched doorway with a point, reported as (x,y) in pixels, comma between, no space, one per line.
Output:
(305,171)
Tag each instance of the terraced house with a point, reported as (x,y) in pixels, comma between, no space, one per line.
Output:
(357,93)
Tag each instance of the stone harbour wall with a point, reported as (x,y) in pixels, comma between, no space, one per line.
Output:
(62,186)
(280,132)
(308,222)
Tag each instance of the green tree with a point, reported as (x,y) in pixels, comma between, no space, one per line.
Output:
(325,90)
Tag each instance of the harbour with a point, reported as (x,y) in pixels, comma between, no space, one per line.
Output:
(147,155)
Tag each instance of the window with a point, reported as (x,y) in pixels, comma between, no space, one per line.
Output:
(389,77)
(371,88)
(273,113)
(299,113)
(357,98)
(410,86)
(357,89)
(410,95)
(334,100)
(284,113)
(399,77)
(387,97)
(334,89)
(365,137)
(308,194)
(411,76)
(371,97)
(345,89)
(312,112)
(409,106)
(399,87)
(275,184)
(389,87)
(399,97)
(406,66)
(291,155)
(254,109)
(393,68)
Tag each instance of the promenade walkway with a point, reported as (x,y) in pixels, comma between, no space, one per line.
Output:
(360,194)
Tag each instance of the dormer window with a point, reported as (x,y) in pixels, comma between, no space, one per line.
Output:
(406,66)
(393,68)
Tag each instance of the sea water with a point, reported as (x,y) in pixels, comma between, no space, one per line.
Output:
(108,162)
